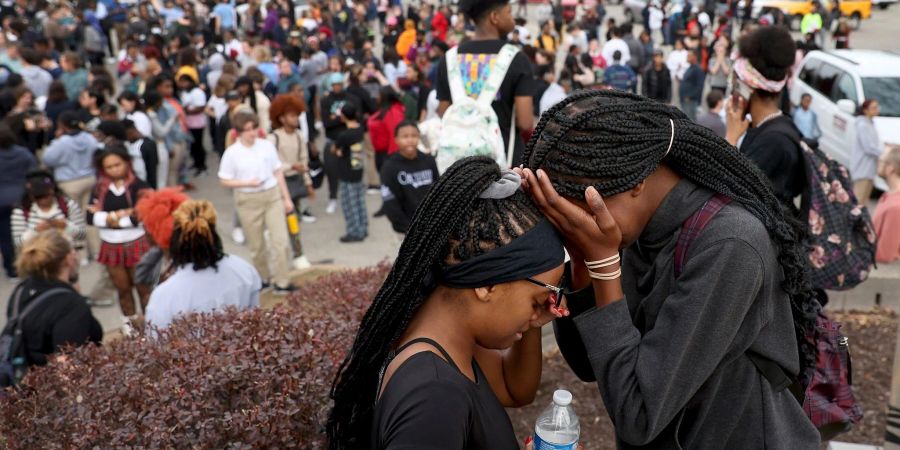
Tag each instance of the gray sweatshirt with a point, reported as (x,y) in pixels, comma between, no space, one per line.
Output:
(71,156)
(671,359)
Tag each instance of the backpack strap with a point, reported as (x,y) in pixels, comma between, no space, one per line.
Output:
(63,205)
(498,73)
(17,316)
(694,225)
(771,371)
(454,77)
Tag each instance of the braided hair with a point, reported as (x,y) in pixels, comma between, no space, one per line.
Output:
(614,140)
(194,237)
(451,225)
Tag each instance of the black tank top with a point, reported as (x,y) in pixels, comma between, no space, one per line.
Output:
(429,403)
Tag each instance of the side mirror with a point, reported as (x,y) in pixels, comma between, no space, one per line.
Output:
(847,106)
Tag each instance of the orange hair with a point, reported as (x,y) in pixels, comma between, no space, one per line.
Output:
(285,103)
(155,209)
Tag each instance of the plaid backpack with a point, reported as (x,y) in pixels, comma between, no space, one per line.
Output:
(824,390)
(841,234)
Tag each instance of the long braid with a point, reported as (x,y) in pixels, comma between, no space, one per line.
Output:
(450,225)
(613,140)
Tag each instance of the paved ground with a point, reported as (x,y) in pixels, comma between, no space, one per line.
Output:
(321,239)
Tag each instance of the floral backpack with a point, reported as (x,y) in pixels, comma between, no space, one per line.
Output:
(841,234)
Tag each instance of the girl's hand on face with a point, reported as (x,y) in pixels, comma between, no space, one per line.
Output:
(548,312)
(594,234)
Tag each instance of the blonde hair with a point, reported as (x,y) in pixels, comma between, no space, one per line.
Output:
(892,155)
(43,255)
(262,54)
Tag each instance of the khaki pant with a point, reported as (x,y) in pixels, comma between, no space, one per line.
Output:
(863,190)
(79,190)
(178,154)
(260,212)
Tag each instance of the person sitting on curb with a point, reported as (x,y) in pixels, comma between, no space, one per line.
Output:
(205,277)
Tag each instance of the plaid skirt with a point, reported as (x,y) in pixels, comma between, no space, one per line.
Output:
(127,254)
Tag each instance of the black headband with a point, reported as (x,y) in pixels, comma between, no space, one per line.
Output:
(535,252)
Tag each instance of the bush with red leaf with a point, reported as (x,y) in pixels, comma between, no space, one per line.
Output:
(229,380)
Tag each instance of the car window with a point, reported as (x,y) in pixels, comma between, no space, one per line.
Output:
(824,83)
(887,91)
(845,88)
(810,71)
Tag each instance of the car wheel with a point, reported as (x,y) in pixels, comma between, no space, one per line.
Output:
(795,22)
(855,21)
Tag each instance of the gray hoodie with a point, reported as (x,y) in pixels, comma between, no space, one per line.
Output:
(37,79)
(671,358)
(71,156)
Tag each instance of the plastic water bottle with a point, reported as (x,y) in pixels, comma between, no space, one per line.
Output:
(557,427)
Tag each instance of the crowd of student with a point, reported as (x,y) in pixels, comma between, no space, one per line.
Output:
(99,160)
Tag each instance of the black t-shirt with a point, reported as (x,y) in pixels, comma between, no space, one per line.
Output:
(519,82)
(351,163)
(405,182)
(429,404)
(775,148)
(60,319)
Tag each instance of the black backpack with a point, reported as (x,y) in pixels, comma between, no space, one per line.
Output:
(13,360)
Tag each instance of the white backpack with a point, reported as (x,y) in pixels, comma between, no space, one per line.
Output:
(470,127)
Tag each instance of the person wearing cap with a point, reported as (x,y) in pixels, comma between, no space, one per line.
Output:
(657,80)
(71,157)
(334,126)
(43,208)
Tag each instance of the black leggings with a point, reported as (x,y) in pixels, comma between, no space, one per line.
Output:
(198,153)
(331,170)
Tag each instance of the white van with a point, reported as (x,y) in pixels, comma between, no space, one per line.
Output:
(839,81)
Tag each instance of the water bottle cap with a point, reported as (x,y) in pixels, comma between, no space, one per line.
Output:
(562,397)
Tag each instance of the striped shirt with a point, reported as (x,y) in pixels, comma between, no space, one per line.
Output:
(23,230)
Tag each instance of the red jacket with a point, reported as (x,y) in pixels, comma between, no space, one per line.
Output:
(381,129)
(440,25)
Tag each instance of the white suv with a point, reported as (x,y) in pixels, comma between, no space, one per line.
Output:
(839,81)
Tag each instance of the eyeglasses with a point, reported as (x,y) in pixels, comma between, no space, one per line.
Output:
(558,292)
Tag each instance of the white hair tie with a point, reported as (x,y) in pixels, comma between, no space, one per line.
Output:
(671,138)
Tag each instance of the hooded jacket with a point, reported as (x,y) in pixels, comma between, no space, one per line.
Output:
(71,156)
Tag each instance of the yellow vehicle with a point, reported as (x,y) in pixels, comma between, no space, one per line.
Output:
(794,10)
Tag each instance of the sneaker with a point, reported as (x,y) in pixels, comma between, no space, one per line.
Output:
(100,303)
(308,217)
(373,191)
(237,235)
(301,263)
(284,290)
(351,239)
(332,207)
(127,326)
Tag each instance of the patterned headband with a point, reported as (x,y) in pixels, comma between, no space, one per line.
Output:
(751,77)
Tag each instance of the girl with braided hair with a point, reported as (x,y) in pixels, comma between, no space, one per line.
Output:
(475,275)
(205,278)
(674,345)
